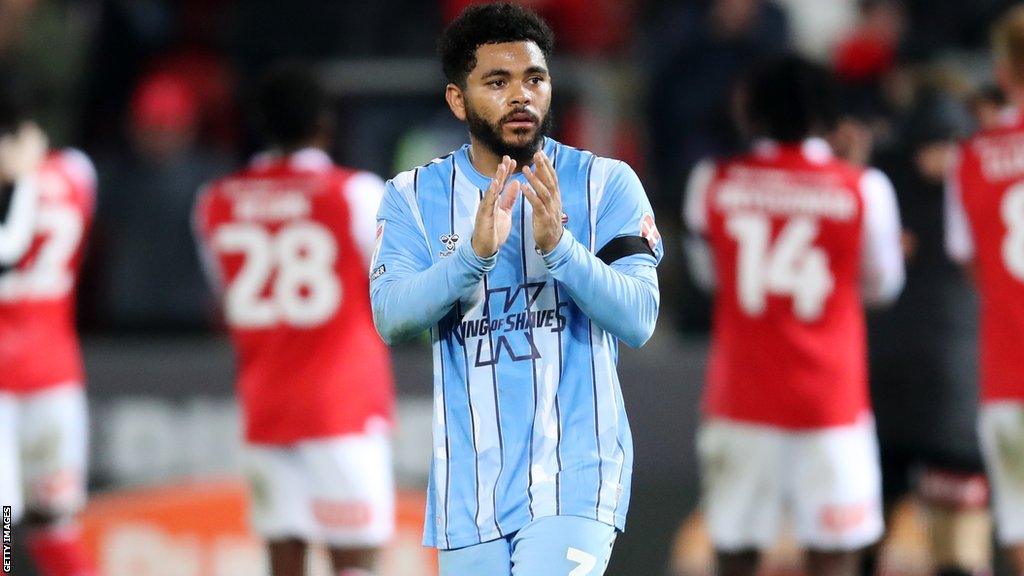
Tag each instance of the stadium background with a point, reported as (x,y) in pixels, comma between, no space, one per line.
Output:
(154,91)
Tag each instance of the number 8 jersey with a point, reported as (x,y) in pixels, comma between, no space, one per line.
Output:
(797,240)
(985,224)
(38,344)
(288,241)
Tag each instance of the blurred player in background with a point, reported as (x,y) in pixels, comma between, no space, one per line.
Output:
(989,107)
(526,301)
(923,361)
(21,151)
(985,231)
(289,241)
(793,241)
(43,421)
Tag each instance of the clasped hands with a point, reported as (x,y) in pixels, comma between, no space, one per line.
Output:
(494,215)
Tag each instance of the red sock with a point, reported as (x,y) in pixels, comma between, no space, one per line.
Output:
(60,552)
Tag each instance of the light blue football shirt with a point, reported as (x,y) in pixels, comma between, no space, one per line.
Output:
(528,415)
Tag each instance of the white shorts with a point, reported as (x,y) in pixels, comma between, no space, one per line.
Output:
(336,491)
(829,480)
(43,443)
(1001,430)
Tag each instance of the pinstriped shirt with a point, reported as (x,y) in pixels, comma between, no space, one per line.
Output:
(529,419)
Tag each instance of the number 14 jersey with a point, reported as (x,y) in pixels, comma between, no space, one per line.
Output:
(797,238)
(288,241)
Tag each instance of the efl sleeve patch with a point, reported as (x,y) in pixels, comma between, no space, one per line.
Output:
(649,231)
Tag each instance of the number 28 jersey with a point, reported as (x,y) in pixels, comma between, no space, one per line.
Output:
(985,224)
(288,241)
(38,344)
(786,230)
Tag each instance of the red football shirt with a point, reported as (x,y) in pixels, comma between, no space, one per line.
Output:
(785,228)
(985,223)
(290,240)
(38,344)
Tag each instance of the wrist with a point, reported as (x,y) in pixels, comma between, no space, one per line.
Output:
(550,246)
(480,252)
(559,252)
(477,263)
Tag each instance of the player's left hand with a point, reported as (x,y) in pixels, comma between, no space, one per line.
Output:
(22,152)
(543,195)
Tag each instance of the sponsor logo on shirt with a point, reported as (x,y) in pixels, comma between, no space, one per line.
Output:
(509,324)
(378,272)
(449,241)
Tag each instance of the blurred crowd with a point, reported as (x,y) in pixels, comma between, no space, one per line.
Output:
(155,92)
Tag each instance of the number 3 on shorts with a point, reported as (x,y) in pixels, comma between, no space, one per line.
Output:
(586,562)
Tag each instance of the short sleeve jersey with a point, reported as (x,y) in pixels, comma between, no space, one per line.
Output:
(985,223)
(288,241)
(39,347)
(784,225)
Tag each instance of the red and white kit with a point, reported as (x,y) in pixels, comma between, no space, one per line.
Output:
(985,228)
(43,423)
(290,240)
(793,242)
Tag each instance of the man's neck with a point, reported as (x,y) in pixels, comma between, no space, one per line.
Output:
(289,150)
(1015,97)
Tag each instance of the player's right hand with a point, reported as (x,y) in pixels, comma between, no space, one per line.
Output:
(494,215)
(22,152)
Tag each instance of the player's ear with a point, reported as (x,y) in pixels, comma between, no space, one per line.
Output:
(456,101)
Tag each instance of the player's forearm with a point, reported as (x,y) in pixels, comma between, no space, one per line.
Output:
(18,225)
(621,298)
(701,263)
(883,285)
(407,303)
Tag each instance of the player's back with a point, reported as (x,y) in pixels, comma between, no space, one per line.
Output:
(785,229)
(989,182)
(289,239)
(38,343)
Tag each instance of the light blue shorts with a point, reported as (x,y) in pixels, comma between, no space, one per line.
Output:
(549,546)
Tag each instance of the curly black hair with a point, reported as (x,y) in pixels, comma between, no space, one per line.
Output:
(489,24)
(289,105)
(791,98)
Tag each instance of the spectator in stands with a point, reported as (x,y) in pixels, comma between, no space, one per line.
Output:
(923,354)
(584,27)
(864,59)
(151,278)
(695,61)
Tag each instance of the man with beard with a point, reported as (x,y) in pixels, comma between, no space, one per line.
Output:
(526,301)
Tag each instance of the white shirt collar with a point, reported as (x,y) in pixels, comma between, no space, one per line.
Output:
(312,159)
(815,149)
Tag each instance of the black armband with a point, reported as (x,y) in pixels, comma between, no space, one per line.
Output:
(622,246)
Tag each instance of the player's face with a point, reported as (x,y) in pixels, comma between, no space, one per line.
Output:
(507,99)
